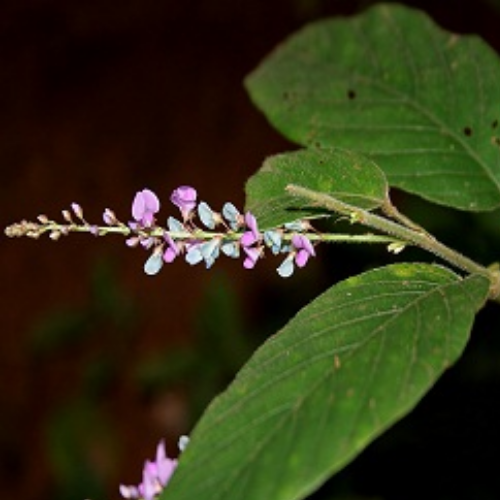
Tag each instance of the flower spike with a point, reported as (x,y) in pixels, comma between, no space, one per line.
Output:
(228,233)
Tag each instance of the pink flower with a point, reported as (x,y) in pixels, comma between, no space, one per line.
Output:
(252,235)
(304,249)
(171,251)
(144,207)
(155,476)
(184,197)
(253,255)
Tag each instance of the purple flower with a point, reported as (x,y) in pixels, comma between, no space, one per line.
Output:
(184,197)
(253,255)
(164,466)
(172,250)
(304,249)
(144,207)
(252,236)
(155,476)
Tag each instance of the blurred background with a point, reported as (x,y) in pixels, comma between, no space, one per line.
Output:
(99,99)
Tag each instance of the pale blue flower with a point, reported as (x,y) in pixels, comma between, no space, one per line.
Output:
(153,264)
(207,215)
(273,240)
(232,216)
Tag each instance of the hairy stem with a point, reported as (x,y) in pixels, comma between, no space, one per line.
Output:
(35,230)
(406,231)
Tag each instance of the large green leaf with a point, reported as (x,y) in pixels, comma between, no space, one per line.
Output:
(422,102)
(312,397)
(344,175)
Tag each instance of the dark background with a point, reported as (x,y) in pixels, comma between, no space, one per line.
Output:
(99,99)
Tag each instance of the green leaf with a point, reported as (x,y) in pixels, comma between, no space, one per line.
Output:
(422,102)
(344,175)
(349,365)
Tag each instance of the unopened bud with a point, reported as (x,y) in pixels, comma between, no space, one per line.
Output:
(109,217)
(67,216)
(77,210)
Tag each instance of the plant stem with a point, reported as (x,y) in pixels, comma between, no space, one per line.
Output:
(36,230)
(410,233)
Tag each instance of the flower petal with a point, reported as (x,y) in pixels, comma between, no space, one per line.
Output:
(232,215)
(151,201)
(174,225)
(153,264)
(302,257)
(231,249)
(193,255)
(251,223)
(253,255)
(248,239)
(285,270)
(138,206)
(184,197)
(206,215)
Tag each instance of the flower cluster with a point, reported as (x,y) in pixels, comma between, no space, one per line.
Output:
(155,474)
(199,235)
(228,232)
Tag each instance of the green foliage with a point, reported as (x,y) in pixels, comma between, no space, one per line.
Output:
(384,99)
(312,397)
(423,105)
(421,102)
(327,171)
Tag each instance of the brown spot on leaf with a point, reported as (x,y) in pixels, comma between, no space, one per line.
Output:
(495,141)
(336,362)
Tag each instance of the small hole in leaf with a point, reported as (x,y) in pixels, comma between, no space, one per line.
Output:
(467,131)
(494,124)
(351,94)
